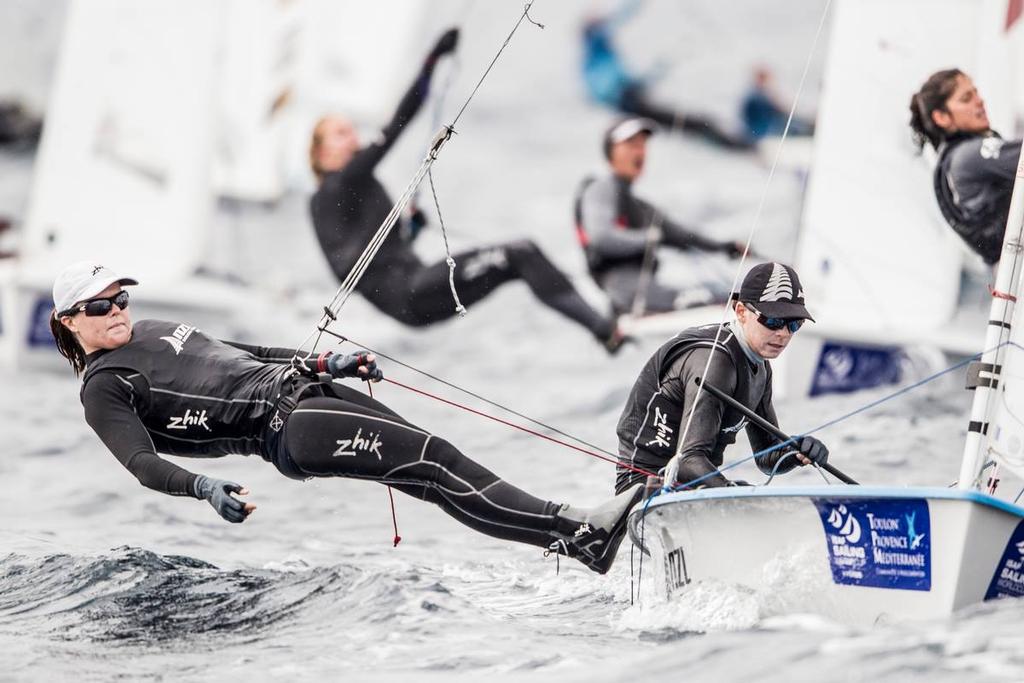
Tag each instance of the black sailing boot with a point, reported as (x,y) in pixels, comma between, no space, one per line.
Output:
(593,535)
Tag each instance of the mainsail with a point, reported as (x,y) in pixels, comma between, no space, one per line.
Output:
(872,238)
(123,168)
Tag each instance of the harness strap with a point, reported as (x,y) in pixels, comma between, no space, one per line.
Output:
(287,403)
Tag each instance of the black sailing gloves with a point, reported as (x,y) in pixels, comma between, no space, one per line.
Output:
(445,45)
(218,493)
(732,249)
(814,450)
(359,364)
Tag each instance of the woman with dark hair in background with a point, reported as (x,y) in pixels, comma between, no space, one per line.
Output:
(974,175)
(166,387)
(350,204)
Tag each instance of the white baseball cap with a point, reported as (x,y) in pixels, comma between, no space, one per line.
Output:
(83,280)
(624,129)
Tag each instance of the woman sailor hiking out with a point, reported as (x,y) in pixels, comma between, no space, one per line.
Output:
(166,387)
(350,204)
(974,175)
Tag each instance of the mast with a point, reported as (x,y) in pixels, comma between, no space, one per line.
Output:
(986,372)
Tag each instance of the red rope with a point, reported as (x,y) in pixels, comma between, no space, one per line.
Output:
(394,519)
(521,428)
(391,496)
(1001,295)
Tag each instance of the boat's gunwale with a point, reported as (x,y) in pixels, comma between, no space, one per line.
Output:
(834,491)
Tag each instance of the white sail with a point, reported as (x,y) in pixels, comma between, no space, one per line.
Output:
(287,64)
(258,84)
(123,167)
(872,237)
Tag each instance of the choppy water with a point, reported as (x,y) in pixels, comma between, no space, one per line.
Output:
(101,579)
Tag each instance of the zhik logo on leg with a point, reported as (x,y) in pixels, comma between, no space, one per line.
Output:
(371,443)
(190,419)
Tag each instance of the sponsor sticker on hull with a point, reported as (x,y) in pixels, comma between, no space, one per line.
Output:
(1008,580)
(882,543)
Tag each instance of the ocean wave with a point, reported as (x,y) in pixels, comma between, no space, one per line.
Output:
(132,595)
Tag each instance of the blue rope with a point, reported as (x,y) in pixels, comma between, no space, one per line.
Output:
(846,416)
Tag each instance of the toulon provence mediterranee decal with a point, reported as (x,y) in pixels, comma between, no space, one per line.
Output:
(884,543)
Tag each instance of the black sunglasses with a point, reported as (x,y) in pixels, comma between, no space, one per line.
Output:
(776,324)
(99,306)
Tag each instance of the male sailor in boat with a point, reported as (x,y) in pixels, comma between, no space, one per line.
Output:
(167,387)
(974,175)
(769,309)
(350,204)
(620,232)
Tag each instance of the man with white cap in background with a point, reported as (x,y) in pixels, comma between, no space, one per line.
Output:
(620,232)
(769,309)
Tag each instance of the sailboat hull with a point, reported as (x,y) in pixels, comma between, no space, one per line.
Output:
(858,555)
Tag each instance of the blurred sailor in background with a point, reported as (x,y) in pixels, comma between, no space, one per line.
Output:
(351,204)
(976,168)
(621,233)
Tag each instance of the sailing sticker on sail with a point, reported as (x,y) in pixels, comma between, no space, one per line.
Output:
(879,543)
(844,368)
(1008,581)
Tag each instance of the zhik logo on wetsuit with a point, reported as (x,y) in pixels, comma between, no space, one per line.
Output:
(370,444)
(190,419)
(179,337)
(663,433)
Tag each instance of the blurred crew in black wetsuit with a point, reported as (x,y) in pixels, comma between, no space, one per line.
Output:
(351,204)
(974,175)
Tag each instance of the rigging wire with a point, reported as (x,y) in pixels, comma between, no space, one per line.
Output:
(348,285)
(473,394)
(672,469)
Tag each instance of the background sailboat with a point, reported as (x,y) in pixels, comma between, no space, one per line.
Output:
(894,285)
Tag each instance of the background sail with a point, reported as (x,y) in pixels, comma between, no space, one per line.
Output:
(287,64)
(872,238)
(125,155)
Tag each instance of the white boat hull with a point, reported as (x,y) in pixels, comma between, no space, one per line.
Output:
(861,555)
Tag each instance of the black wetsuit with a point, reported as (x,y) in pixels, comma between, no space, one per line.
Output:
(661,399)
(612,227)
(172,389)
(351,204)
(973,184)
(635,101)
